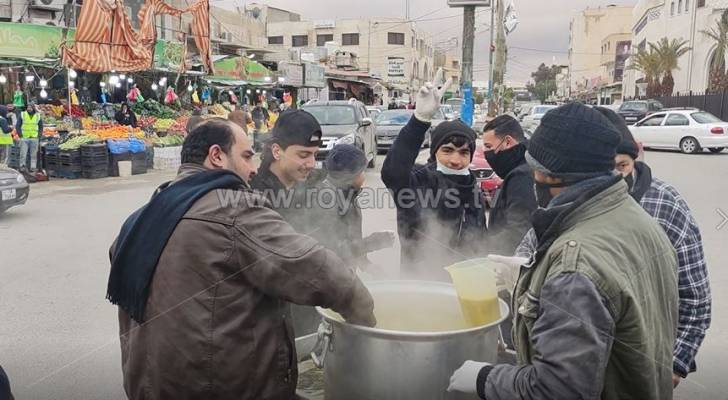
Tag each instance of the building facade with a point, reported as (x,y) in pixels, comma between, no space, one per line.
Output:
(589,31)
(676,19)
(391,49)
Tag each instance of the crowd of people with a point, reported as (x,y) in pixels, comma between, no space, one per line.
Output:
(602,263)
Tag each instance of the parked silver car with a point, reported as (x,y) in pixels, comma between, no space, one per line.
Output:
(14,190)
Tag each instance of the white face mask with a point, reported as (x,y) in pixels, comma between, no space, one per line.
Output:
(449,171)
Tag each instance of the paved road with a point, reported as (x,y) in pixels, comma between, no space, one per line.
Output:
(58,336)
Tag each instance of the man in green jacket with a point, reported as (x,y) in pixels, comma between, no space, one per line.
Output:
(596,306)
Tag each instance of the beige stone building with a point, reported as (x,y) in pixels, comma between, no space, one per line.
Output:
(395,51)
(589,31)
(451,66)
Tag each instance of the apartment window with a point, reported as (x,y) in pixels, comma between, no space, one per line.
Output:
(275,39)
(350,39)
(679,7)
(299,40)
(396,38)
(322,39)
(687,5)
(701,3)
(672,8)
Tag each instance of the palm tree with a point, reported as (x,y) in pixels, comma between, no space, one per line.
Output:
(669,52)
(719,34)
(649,63)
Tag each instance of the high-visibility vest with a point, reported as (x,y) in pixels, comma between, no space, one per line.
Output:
(5,138)
(30,125)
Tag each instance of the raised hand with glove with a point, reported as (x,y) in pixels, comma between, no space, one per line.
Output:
(427,99)
(506,272)
(465,379)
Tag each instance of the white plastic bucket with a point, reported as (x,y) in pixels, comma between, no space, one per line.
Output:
(124,169)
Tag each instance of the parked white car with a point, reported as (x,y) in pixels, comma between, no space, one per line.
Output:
(689,130)
(533,119)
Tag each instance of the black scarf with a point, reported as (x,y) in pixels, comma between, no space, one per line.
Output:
(505,161)
(642,184)
(145,233)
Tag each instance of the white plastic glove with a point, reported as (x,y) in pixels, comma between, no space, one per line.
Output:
(506,273)
(427,99)
(465,378)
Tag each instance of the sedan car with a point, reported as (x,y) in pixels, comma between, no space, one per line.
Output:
(635,110)
(533,119)
(14,189)
(449,112)
(487,179)
(389,123)
(344,122)
(688,130)
(374,111)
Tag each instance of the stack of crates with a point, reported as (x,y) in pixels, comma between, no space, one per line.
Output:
(69,164)
(94,161)
(50,159)
(14,160)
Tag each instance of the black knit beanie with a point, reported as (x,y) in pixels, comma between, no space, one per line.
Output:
(627,145)
(575,139)
(345,162)
(444,133)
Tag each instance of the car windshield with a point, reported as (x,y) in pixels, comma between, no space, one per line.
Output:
(634,106)
(333,115)
(705,117)
(542,110)
(393,117)
(446,108)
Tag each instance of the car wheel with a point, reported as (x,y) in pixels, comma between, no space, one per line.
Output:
(716,150)
(689,145)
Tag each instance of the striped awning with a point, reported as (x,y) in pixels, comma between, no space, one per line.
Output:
(106,41)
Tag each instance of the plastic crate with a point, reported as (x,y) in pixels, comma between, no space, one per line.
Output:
(95,173)
(67,174)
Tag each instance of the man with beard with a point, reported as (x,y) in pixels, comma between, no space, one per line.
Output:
(440,208)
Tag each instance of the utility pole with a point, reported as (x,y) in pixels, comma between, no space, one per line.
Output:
(499,66)
(466,111)
(491,50)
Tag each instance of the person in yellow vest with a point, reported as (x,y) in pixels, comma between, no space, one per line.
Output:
(6,139)
(29,129)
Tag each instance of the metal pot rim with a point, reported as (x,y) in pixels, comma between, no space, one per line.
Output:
(409,334)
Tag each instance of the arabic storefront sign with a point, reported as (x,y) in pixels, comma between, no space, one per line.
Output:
(395,70)
(314,76)
(241,68)
(169,55)
(293,73)
(30,40)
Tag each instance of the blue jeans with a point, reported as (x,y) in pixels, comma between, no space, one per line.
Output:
(32,146)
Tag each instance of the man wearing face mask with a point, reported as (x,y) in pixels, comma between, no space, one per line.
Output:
(505,151)
(596,308)
(440,209)
(665,204)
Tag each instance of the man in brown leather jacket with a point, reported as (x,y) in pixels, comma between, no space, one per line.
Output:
(208,317)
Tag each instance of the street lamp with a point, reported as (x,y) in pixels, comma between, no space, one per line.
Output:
(102,84)
(189,87)
(267,79)
(29,78)
(43,94)
(117,85)
(130,80)
(155,87)
(281,79)
(3,79)
(43,83)
(71,84)
(72,74)
(113,80)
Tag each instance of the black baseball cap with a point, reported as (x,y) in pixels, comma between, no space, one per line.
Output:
(296,127)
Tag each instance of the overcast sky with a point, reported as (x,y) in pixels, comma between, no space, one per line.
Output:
(544,25)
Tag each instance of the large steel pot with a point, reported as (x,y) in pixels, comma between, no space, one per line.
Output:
(363,363)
